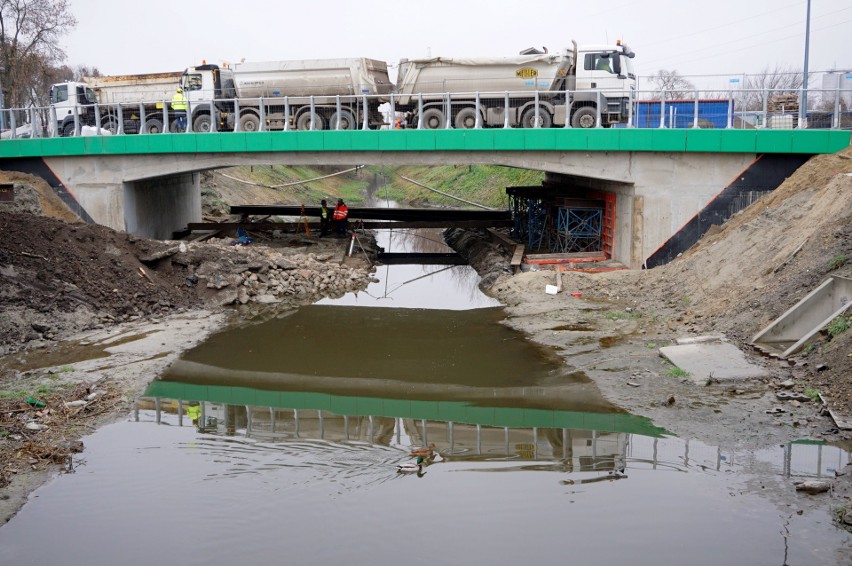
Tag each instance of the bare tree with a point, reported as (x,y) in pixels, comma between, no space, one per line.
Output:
(29,45)
(674,85)
(771,82)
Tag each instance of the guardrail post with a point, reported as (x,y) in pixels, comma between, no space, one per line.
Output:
(802,111)
(165,117)
(506,124)
(392,110)
(34,129)
(765,108)
(142,117)
(448,117)
(536,115)
(54,121)
(630,108)
(477,124)
(119,128)
(262,126)
(598,120)
(97,120)
(663,108)
(420,111)
(237,116)
(286,113)
(366,125)
(187,127)
(695,111)
(214,115)
(13,124)
(730,111)
(76,120)
(337,104)
(567,110)
(835,121)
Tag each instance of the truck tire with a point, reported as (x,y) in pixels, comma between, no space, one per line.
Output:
(201,123)
(433,119)
(153,126)
(345,121)
(544,118)
(110,125)
(585,117)
(68,130)
(465,119)
(249,122)
(303,122)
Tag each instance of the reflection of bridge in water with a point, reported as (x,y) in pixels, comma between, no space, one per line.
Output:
(621,442)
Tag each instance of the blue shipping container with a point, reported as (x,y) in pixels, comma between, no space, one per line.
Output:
(712,113)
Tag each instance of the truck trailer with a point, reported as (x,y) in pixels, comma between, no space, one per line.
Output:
(328,92)
(532,86)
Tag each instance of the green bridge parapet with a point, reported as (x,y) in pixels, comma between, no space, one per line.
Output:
(490,140)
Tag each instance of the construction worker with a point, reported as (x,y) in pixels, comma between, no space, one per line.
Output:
(324,218)
(179,108)
(341,215)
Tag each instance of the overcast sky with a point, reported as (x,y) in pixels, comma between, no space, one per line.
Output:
(723,37)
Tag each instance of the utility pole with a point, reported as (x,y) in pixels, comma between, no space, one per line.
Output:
(803,109)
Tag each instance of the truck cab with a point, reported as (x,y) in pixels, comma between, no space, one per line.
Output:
(607,69)
(65,98)
(204,84)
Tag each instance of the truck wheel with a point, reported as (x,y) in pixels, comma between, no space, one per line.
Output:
(201,123)
(465,119)
(68,129)
(303,122)
(585,117)
(153,126)
(345,121)
(544,119)
(433,119)
(249,123)
(109,125)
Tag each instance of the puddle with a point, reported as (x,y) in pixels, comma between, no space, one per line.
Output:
(575,328)
(67,353)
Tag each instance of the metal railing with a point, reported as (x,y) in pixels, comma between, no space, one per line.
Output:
(740,109)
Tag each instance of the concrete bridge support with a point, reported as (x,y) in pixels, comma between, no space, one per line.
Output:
(115,192)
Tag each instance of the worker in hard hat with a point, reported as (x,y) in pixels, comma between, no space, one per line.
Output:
(341,216)
(179,109)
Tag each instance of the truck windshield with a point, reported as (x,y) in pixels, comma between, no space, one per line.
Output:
(90,96)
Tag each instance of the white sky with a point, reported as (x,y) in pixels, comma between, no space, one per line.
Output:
(724,37)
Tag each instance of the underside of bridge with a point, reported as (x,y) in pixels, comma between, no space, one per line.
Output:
(651,205)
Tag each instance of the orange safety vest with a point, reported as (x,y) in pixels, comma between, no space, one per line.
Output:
(340,212)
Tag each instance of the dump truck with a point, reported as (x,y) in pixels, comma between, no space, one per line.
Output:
(535,88)
(311,94)
(137,102)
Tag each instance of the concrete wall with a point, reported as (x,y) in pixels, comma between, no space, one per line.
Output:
(156,208)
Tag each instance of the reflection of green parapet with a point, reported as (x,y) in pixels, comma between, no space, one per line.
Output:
(450,411)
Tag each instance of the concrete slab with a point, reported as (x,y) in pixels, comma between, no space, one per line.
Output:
(717,361)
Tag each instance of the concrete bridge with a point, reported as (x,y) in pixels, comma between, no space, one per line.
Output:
(664,183)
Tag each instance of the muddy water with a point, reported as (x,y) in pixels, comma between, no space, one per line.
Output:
(279,441)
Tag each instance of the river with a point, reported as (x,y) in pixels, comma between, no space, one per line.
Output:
(302,419)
